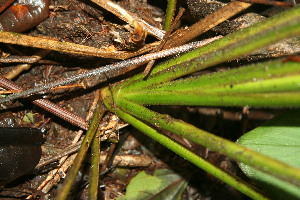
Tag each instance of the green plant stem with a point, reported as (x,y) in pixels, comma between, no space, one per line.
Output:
(215,143)
(268,84)
(95,167)
(241,43)
(283,100)
(284,25)
(71,175)
(230,179)
(170,14)
(271,76)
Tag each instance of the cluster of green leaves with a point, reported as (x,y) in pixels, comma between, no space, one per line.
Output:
(275,83)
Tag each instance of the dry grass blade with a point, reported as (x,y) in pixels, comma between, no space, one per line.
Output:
(129,17)
(184,35)
(67,47)
(49,106)
(269,2)
(22,67)
(165,39)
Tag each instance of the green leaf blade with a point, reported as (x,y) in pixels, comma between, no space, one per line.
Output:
(267,84)
(241,43)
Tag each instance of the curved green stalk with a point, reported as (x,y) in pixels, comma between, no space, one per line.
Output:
(268,84)
(95,169)
(230,179)
(170,14)
(72,173)
(219,99)
(215,143)
(272,76)
(246,86)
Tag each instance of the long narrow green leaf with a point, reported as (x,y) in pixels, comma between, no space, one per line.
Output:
(268,84)
(72,173)
(241,43)
(230,179)
(95,169)
(238,90)
(220,99)
(249,78)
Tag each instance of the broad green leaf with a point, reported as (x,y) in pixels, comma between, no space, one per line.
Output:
(163,184)
(279,139)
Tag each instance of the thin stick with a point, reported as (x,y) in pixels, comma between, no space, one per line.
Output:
(109,156)
(119,160)
(129,17)
(22,67)
(207,23)
(164,41)
(269,2)
(110,71)
(67,151)
(49,106)
(20,59)
(67,47)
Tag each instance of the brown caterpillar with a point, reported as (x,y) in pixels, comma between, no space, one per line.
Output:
(23,15)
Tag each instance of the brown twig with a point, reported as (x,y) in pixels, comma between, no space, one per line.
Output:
(56,88)
(165,39)
(269,2)
(68,47)
(67,151)
(49,106)
(109,156)
(22,67)
(119,160)
(184,35)
(129,17)
(9,91)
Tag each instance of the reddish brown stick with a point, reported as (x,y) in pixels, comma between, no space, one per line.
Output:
(49,106)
